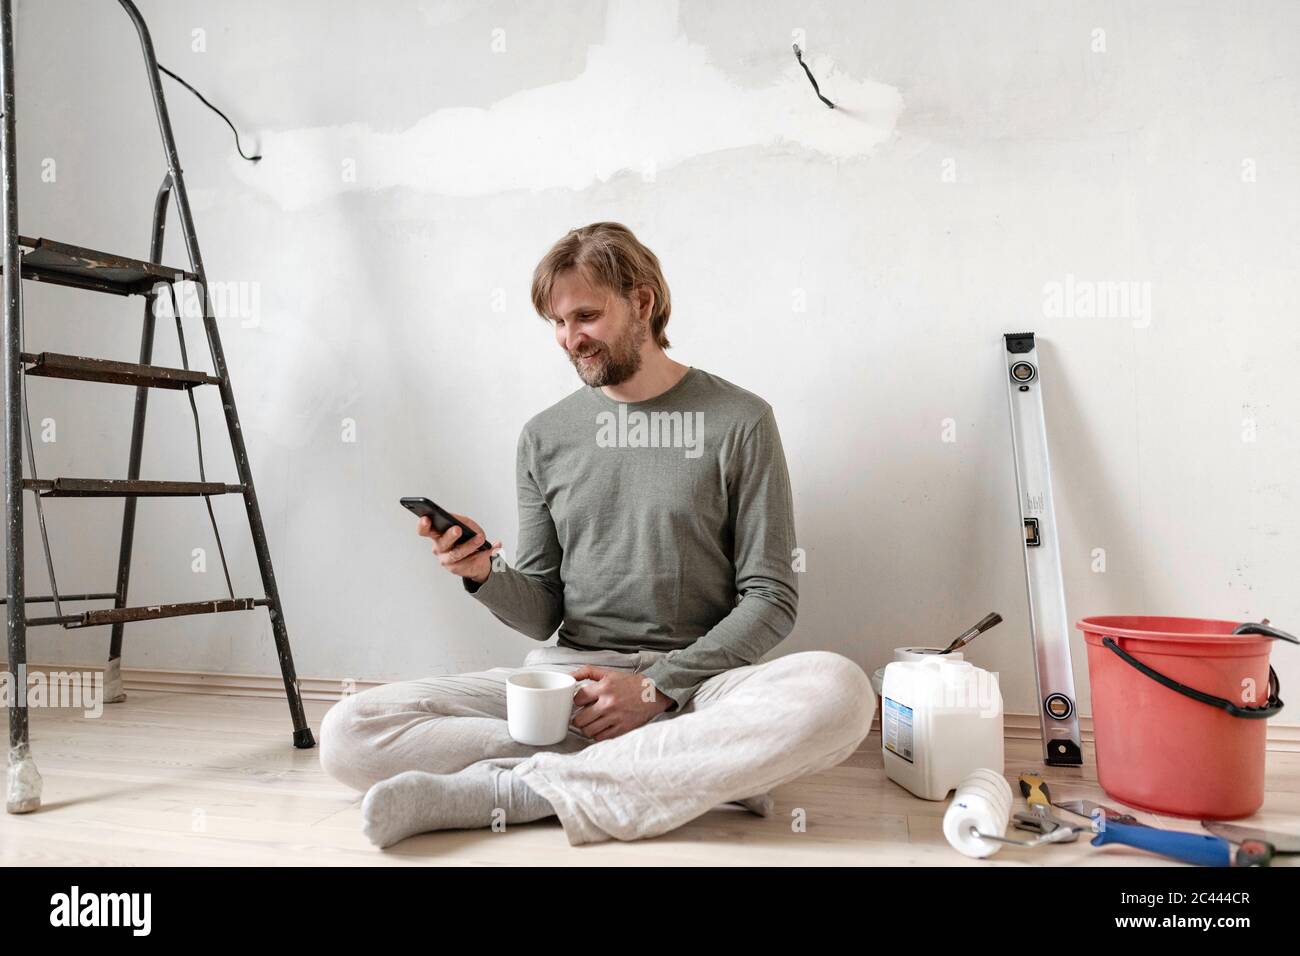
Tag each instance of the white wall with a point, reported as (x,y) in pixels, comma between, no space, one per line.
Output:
(981,152)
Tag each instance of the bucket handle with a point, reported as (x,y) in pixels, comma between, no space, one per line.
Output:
(1264,711)
(1266,629)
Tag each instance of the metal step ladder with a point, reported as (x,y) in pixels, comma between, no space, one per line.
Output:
(47,261)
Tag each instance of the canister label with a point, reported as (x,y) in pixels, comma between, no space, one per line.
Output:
(896,728)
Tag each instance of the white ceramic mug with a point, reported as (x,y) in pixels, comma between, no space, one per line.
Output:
(539,706)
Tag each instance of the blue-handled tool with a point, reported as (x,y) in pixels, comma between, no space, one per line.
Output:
(1197,848)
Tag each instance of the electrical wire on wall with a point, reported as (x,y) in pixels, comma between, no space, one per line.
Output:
(204,100)
(798,55)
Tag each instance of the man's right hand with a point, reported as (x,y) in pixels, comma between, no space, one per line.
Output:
(460,557)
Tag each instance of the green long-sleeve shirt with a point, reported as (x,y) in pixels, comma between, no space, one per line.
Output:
(665,524)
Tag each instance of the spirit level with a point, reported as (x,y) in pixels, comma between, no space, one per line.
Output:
(1048,623)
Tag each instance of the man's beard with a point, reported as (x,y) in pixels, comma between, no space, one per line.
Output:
(618,360)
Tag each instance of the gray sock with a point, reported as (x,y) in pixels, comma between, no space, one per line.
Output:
(416,802)
(762,805)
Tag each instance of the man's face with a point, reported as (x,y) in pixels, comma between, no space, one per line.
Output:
(599,330)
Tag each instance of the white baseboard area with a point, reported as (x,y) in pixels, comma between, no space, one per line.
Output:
(1281,737)
(1284,738)
(206,682)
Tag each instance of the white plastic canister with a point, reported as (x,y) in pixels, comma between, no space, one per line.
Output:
(940,720)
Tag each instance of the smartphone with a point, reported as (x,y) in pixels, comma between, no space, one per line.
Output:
(443,521)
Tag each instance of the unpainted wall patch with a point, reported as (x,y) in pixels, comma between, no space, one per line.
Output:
(647,100)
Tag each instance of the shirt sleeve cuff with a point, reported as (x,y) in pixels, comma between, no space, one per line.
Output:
(472,587)
(661,675)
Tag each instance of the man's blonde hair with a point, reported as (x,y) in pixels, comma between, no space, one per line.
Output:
(609,255)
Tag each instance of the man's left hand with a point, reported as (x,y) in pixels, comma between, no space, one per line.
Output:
(616,702)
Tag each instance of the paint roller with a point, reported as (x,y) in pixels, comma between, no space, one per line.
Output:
(975,823)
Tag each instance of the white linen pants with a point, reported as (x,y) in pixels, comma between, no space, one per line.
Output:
(744,732)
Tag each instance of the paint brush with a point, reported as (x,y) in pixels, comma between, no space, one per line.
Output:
(989,620)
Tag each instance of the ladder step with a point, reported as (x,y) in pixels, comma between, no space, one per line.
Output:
(115,615)
(48,598)
(62,264)
(88,369)
(124,488)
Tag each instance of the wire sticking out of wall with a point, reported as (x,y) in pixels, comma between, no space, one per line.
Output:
(204,100)
(798,55)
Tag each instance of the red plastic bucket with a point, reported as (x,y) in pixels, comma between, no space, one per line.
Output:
(1179,712)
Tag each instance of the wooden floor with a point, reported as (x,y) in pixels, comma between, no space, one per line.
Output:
(187,779)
